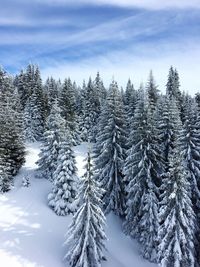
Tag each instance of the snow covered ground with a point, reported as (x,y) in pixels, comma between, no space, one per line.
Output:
(31,235)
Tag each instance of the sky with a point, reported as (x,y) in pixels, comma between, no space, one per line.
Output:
(121,39)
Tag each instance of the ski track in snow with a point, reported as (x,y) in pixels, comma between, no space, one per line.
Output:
(31,235)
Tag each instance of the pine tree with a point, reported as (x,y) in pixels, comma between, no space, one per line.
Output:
(100,91)
(25,181)
(33,121)
(5,177)
(35,108)
(109,152)
(90,113)
(86,234)
(12,150)
(51,92)
(152,92)
(169,125)
(130,101)
(67,103)
(173,87)
(53,136)
(176,216)
(189,141)
(143,168)
(20,83)
(62,197)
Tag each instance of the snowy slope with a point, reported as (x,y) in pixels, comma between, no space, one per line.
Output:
(31,235)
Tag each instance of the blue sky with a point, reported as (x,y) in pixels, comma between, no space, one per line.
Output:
(119,38)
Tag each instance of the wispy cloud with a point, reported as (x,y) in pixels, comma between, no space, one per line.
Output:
(147,4)
(121,38)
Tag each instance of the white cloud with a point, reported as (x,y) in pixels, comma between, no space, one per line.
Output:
(147,4)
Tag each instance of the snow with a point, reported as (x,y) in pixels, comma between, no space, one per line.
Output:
(32,235)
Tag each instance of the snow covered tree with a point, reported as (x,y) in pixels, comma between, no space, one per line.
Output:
(130,101)
(64,192)
(5,177)
(23,91)
(12,150)
(35,108)
(143,168)
(189,141)
(173,87)
(86,234)
(51,90)
(25,181)
(67,102)
(53,136)
(109,152)
(177,219)
(33,121)
(100,90)
(197,99)
(90,113)
(152,92)
(128,92)
(169,125)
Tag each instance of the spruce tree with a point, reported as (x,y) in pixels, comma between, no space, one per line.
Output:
(64,192)
(152,92)
(189,140)
(176,216)
(86,234)
(33,121)
(109,152)
(90,112)
(130,101)
(67,102)
(12,150)
(143,168)
(169,125)
(173,88)
(100,91)
(53,136)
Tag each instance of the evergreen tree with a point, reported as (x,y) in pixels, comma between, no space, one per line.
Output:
(51,92)
(33,121)
(67,103)
(86,234)
(35,107)
(24,93)
(5,177)
(197,99)
(173,88)
(130,101)
(128,93)
(143,168)
(152,92)
(100,91)
(109,152)
(62,197)
(169,125)
(53,136)
(176,216)
(189,141)
(25,181)
(90,113)
(12,150)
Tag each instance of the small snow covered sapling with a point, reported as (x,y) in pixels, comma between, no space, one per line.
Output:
(62,198)
(25,181)
(86,236)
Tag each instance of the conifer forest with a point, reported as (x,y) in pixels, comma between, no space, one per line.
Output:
(141,164)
